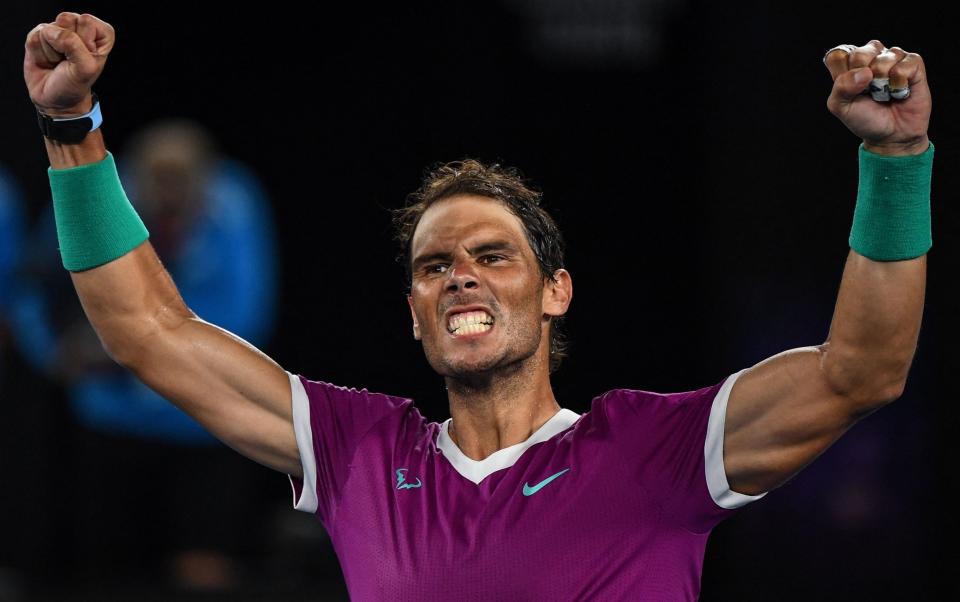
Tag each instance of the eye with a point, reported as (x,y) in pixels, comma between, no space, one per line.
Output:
(432,269)
(492,257)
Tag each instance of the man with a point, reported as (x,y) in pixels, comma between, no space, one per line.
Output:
(514,496)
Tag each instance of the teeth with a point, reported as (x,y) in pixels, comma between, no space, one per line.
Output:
(473,328)
(461,322)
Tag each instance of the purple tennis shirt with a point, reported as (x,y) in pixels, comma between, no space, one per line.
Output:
(613,504)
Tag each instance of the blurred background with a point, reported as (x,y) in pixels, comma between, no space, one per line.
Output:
(685,150)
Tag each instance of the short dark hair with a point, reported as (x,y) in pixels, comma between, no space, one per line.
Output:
(499,183)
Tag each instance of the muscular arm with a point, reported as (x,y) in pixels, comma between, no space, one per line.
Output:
(785,411)
(788,409)
(231,388)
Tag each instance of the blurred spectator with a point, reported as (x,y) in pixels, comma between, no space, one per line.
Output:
(11,228)
(154,487)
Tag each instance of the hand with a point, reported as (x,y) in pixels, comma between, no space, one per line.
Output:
(63,59)
(897,127)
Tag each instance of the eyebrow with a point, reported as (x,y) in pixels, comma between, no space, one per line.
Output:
(493,245)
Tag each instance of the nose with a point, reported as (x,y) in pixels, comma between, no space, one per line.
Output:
(461,276)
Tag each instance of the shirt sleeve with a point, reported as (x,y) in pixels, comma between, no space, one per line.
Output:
(329,422)
(677,438)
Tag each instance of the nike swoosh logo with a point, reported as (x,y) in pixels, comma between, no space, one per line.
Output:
(528,490)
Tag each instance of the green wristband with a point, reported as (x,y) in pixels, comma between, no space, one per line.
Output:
(95,222)
(891,221)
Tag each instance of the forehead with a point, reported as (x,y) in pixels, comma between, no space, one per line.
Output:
(448,222)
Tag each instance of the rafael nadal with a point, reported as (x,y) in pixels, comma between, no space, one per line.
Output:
(514,497)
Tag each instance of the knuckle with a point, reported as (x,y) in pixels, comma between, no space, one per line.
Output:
(33,33)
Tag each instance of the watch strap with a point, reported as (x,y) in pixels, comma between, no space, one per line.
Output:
(71,130)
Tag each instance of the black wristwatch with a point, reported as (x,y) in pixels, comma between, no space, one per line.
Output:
(71,130)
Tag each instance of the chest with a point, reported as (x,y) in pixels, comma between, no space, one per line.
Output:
(416,519)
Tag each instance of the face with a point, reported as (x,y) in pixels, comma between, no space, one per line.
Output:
(471,250)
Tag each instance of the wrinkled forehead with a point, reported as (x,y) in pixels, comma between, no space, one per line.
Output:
(465,218)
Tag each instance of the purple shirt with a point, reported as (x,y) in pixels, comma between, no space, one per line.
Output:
(614,504)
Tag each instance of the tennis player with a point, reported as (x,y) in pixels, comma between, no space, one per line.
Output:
(514,497)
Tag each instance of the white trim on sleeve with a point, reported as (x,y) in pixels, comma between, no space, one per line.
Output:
(717,482)
(304,433)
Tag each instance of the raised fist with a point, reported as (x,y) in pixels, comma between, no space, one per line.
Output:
(63,59)
(898,126)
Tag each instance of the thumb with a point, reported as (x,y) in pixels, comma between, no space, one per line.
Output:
(855,81)
(848,86)
(68,43)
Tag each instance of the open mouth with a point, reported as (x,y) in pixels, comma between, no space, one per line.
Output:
(470,324)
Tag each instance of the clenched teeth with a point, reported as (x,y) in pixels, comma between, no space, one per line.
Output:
(470,322)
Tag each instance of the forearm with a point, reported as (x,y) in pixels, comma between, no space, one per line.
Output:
(129,300)
(875,327)
(876,322)
(125,297)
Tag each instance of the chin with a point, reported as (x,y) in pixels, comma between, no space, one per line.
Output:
(455,369)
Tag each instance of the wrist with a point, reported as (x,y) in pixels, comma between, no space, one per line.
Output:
(95,221)
(81,108)
(90,150)
(891,219)
(73,128)
(899,149)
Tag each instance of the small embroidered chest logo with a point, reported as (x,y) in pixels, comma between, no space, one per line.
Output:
(401,484)
(528,490)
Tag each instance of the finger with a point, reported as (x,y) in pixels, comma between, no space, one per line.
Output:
(881,88)
(900,76)
(846,88)
(862,56)
(884,61)
(907,73)
(69,44)
(87,30)
(103,33)
(34,46)
(836,59)
(67,21)
(50,54)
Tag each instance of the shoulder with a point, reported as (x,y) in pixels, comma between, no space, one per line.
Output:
(642,400)
(320,388)
(632,411)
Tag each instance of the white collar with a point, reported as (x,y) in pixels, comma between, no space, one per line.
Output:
(478,470)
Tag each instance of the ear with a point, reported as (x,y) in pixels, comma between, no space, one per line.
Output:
(413,314)
(557,293)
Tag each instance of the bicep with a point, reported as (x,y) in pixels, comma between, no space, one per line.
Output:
(227,385)
(782,413)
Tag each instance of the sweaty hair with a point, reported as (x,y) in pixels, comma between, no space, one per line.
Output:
(502,184)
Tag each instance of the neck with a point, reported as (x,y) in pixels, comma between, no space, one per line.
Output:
(501,409)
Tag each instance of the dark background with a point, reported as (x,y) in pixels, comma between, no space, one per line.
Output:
(705,192)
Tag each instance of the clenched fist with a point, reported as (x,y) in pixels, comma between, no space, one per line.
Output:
(63,59)
(897,127)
